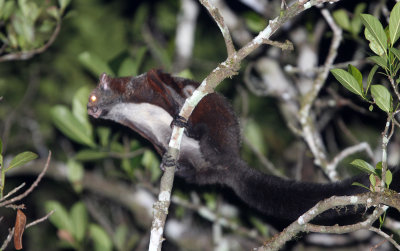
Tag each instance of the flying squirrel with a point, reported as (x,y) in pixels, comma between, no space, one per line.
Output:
(210,149)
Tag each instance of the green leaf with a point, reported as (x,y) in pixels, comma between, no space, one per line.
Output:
(104,135)
(379,60)
(371,76)
(151,163)
(75,174)
(21,159)
(394,24)
(254,21)
(389,178)
(348,81)
(356,74)
(360,185)
(130,66)
(79,219)
(100,238)
(90,155)
(54,12)
(253,133)
(94,63)
(363,166)
(375,28)
(66,122)
(260,225)
(382,97)
(371,108)
(373,43)
(60,217)
(356,21)
(7,10)
(120,236)
(395,52)
(63,4)
(372,179)
(79,110)
(342,19)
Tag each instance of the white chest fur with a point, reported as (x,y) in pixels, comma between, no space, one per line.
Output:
(154,122)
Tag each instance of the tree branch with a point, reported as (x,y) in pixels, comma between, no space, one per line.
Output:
(24,55)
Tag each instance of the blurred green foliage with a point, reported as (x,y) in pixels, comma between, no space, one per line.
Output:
(44,104)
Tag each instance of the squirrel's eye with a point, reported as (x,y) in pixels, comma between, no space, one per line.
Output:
(93,98)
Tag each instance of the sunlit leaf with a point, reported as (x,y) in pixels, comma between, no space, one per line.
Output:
(389,177)
(379,60)
(382,97)
(66,122)
(373,43)
(79,219)
(54,12)
(104,135)
(372,179)
(151,162)
(21,159)
(130,66)
(394,23)
(7,10)
(356,21)
(342,19)
(100,238)
(60,218)
(360,185)
(356,74)
(376,29)
(371,76)
(75,174)
(395,52)
(90,155)
(348,81)
(63,4)
(79,102)
(120,236)
(94,63)
(363,166)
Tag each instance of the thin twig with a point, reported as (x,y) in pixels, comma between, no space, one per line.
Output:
(34,184)
(364,146)
(11,231)
(214,12)
(8,239)
(386,236)
(24,55)
(40,220)
(286,46)
(12,192)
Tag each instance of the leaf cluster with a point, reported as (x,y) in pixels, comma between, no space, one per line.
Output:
(28,24)
(386,59)
(17,161)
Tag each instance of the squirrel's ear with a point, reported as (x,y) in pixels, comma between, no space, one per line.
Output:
(104,81)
